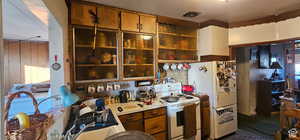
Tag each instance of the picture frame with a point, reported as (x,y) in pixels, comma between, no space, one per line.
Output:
(264,54)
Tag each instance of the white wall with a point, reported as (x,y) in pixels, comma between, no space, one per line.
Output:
(59,10)
(1,75)
(243,86)
(58,45)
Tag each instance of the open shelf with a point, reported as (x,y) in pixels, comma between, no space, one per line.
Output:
(89,46)
(96,65)
(166,48)
(146,49)
(138,64)
(178,61)
(177,35)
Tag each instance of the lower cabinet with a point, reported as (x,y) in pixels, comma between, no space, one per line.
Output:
(155,125)
(153,122)
(160,136)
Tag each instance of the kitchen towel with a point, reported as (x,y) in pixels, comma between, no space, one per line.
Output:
(189,121)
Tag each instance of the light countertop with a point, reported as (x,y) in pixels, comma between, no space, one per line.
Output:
(103,133)
(131,107)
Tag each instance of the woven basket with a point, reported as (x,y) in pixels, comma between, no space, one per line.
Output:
(39,123)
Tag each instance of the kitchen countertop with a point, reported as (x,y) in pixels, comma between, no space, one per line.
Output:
(103,133)
(133,107)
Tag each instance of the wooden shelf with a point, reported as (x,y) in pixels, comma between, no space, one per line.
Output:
(177,35)
(178,61)
(146,49)
(166,48)
(188,36)
(96,65)
(89,46)
(171,34)
(138,64)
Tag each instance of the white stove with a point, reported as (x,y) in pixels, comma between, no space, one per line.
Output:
(170,94)
(182,100)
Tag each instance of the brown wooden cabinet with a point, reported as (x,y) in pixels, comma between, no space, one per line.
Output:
(177,44)
(154,112)
(95,64)
(133,121)
(153,122)
(138,23)
(130,22)
(108,17)
(147,24)
(138,56)
(160,136)
(80,14)
(267,98)
(155,125)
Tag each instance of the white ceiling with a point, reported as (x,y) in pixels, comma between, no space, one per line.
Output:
(231,11)
(20,20)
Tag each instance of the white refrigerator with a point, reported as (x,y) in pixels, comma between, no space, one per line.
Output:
(217,79)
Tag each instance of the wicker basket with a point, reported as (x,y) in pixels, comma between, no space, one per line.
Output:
(39,123)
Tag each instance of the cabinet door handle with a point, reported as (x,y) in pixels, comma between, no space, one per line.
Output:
(141,26)
(137,26)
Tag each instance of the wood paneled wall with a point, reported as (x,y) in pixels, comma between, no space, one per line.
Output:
(25,62)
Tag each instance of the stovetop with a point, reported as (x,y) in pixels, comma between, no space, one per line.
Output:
(181,99)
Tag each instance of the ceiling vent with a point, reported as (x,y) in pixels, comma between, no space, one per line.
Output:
(191,14)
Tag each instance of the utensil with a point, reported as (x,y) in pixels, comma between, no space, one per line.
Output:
(186,66)
(180,67)
(166,67)
(173,67)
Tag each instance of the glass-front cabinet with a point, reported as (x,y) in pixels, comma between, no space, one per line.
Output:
(177,44)
(95,54)
(138,55)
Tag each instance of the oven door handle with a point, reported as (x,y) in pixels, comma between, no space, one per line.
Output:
(176,108)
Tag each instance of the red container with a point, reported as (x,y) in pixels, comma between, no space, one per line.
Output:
(188,89)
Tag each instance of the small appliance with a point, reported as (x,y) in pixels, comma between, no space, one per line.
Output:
(124,96)
(188,89)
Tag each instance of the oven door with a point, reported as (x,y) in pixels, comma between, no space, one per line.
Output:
(175,121)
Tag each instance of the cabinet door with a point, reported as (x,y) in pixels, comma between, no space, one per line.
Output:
(80,14)
(133,121)
(129,21)
(136,125)
(138,56)
(109,17)
(147,24)
(160,136)
(154,112)
(155,125)
(99,63)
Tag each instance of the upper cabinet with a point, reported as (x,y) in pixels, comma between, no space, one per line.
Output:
(81,14)
(138,23)
(177,44)
(108,17)
(213,40)
(130,22)
(147,24)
